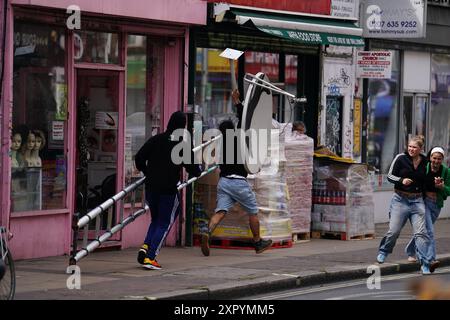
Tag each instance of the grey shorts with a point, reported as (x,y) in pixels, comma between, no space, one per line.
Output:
(230,191)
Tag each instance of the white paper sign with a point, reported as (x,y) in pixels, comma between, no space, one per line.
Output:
(231,54)
(374,64)
(344,8)
(58,130)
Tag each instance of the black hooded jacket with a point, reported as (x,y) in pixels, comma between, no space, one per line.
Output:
(154,159)
(236,167)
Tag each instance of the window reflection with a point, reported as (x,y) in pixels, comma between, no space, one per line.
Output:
(39,118)
(96,47)
(145,78)
(382,116)
(439,133)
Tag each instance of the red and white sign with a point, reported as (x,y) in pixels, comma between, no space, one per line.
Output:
(308,6)
(374,64)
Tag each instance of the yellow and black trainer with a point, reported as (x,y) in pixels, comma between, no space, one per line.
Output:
(142,254)
(151,264)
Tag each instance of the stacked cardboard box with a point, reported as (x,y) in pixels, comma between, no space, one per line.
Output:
(299,151)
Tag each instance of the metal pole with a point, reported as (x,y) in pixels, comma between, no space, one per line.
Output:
(108,203)
(97,242)
(197,148)
(267,85)
(183,185)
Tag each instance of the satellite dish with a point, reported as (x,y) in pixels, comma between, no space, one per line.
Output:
(256,124)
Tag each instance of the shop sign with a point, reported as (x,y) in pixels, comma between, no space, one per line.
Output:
(394,19)
(310,6)
(344,8)
(315,38)
(356,127)
(374,64)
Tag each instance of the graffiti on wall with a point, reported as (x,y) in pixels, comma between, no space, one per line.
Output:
(333,124)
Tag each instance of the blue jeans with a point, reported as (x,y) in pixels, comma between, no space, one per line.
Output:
(432,212)
(400,211)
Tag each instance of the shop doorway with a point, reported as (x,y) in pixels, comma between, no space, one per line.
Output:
(97,114)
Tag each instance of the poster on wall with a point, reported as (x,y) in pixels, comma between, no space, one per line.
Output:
(374,64)
(106,120)
(57,130)
(356,127)
(394,19)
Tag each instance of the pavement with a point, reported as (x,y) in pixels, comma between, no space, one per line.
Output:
(225,274)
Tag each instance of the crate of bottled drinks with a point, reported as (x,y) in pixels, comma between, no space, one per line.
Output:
(342,200)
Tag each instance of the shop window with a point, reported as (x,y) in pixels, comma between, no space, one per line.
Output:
(439,132)
(213,87)
(145,78)
(263,62)
(290,85)
(96,47)
(39,118)
(383,97)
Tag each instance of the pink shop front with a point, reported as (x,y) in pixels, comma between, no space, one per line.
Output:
(77,104)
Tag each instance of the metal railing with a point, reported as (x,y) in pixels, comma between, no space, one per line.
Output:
(108,206)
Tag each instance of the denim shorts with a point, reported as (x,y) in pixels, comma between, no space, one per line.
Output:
(230,191)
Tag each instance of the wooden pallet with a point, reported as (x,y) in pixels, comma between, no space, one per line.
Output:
(242,244)
(301,237)
(340,235)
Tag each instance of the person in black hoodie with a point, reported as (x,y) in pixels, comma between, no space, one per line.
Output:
(233,187)
(162,174)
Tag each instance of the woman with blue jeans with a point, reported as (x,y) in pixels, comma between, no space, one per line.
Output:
(407,173)
(437,189)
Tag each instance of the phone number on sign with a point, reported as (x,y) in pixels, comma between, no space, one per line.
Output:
(395,24)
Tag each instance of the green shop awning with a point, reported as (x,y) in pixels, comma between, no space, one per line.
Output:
(314,30)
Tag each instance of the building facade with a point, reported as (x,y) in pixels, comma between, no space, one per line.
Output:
(414,100)
(306,48)
(82,89)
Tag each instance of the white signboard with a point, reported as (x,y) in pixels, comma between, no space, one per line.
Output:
(106,120)
(231,54)
(394,19)
(374,64)
(57,130)
(344,8)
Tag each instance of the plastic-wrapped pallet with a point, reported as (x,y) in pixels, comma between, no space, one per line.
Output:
(342,199)
(299,150)
(269,186)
